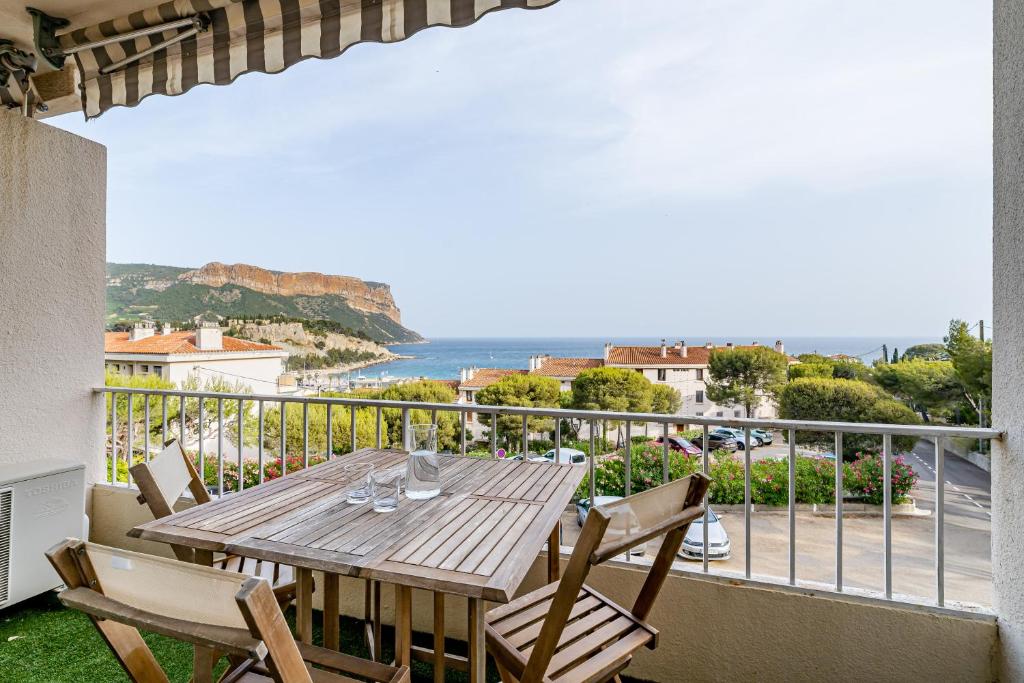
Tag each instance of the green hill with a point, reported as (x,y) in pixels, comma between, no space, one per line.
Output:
(150,291)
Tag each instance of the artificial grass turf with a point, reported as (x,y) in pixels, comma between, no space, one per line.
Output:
(42,642)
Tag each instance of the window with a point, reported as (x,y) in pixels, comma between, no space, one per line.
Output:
(719,414)
(700,413)
(469,396)
(145,368)
(469,417)
(737,413)
(700,373)
(700,396)
(661,375)
(640,370)
(158,370)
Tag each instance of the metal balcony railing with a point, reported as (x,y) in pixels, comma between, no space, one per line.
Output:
(937,434)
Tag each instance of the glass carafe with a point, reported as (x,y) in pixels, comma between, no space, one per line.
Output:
(423,476)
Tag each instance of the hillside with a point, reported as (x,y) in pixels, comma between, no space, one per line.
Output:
(168,293)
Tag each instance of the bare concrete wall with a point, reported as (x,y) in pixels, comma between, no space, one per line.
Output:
(711,630)
(1008,337)
(52,260)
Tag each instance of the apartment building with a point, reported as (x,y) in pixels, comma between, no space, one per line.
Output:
(204,353)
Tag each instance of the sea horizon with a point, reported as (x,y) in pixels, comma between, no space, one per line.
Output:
(443,357)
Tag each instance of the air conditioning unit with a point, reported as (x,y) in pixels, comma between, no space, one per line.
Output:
(41,504)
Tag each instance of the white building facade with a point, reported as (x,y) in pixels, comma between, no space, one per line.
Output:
(203,354)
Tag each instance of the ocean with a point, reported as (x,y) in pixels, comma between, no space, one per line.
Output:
(442,358)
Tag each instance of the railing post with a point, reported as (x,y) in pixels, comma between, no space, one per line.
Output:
(887,510)
(259,448)
(664,452)
(380,428)
(707,494)
(526,438)
(494,435)
(792,507)
(839,512)
(181,421)
(220,447)
(145,424)
(241,445)
(355,439)
(113,438)
(940,522)
(462,432)
(330,433)
(405,429)
(284,444)
(199,433)
(748,551)
(593,458)
(130,424)
(628,464)
(305,435)
(163,425)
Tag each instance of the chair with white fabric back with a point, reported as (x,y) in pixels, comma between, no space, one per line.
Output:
(227,613)
(164,479)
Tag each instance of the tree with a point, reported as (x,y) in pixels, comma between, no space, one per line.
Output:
(843,400)
(811,370)
(745,376)
(895,355)
(926,352)
(885,354)
(525,391)
(927,386)
(972,360)
(613,389)
(665,400)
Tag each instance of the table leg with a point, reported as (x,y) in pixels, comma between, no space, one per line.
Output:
(203,557)
(554,549)
(332,595)
(203,659)
(477,650)
(403,626)
(304,605)
(438,637)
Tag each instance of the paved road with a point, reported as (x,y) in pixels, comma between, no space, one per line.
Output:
(968,488)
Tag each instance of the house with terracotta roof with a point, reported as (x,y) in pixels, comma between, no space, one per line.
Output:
(204,353)
(684,368)
(565,370)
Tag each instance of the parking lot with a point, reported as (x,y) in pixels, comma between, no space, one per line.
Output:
(967,539)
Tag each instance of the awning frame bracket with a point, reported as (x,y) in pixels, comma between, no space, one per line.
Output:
(44,29)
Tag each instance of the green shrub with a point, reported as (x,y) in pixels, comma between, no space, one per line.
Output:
(864,477)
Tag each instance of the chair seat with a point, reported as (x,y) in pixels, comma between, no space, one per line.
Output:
(280,576)
(597,642)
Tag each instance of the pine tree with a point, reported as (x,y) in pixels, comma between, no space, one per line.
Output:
(895,355)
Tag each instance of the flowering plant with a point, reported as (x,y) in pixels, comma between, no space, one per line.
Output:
(865,477)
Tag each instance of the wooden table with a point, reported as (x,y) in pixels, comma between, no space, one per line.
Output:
(477,539)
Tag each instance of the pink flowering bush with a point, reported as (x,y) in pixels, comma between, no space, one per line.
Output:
(864,477)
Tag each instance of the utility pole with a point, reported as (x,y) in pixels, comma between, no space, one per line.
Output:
(981,330)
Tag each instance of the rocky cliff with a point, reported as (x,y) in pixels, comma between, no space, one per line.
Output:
(369,297)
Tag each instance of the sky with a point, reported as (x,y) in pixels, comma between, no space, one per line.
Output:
(600,167)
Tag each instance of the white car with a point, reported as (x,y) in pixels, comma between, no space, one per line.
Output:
(719,547)
(568,456)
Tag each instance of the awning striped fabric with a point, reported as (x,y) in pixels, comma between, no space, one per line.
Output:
(251,35)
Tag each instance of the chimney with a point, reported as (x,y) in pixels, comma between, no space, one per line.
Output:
(141,330)
(755,343)
(682,349)
(779,348)
(166,329)
(709,345)
(532,364)
(607,350)
(462,374)
(470,372)
(539,362)
(728,345)
(209,337)
(664,349)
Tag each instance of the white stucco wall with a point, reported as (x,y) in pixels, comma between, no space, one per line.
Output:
(259,374)
(1008,338)
(52,256)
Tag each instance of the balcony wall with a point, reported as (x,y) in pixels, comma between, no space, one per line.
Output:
(52,255)
(713,629)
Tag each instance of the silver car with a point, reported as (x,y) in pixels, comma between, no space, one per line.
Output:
(719,547)
(583,506)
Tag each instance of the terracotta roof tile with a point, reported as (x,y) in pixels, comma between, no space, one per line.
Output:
(485,377)
(651,355)
(566,367)
(175,343)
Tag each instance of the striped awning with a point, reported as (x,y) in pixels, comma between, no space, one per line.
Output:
(239,36)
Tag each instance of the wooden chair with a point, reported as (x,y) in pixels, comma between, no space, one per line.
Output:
(567,631)
(215,610)
(161,482)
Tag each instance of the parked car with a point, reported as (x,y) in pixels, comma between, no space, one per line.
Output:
(716,442)
(738,435)
(719,547)
(583,506)
(763,435)
(678,443)
(568,456)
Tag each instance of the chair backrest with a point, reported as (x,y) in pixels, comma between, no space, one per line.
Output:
(161,482)
(612,530)
(224,611)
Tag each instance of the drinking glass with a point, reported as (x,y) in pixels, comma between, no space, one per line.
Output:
(386,487)
(423,472)
(357,482)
